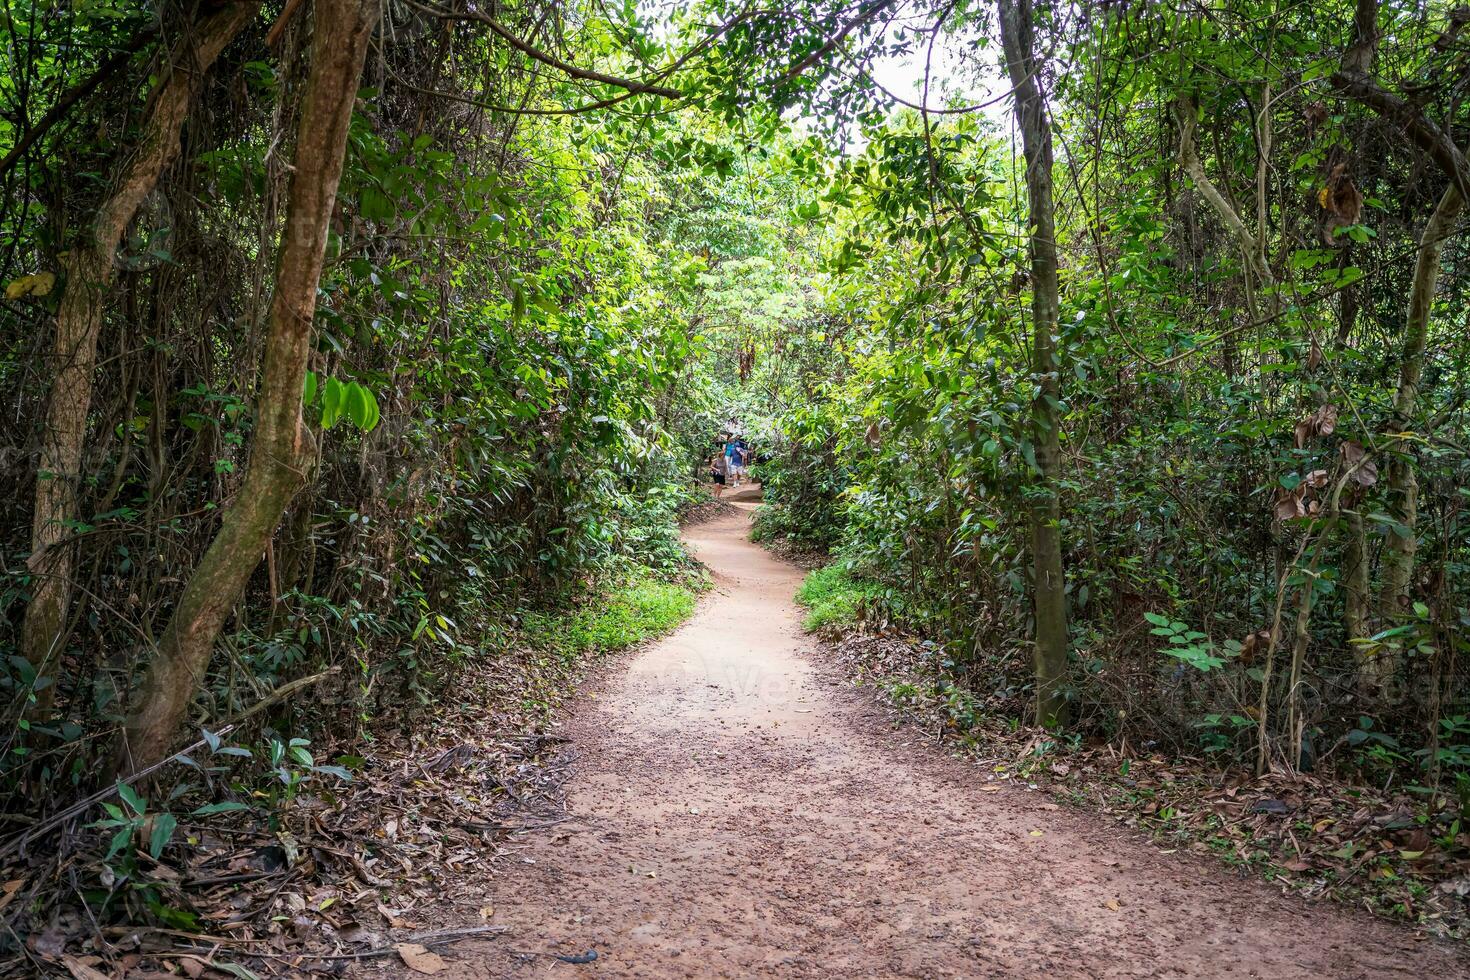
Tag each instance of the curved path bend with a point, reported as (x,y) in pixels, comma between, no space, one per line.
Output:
(737,810)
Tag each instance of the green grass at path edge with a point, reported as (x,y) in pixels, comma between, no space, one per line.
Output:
(833,596)
(640,609)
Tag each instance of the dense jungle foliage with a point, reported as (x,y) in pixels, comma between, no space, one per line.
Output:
(350,344)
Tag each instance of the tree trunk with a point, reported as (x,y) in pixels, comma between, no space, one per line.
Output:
(1402,486)
(1353,79)
(1356,597)
(341,32)
(1023,65)
(89,275)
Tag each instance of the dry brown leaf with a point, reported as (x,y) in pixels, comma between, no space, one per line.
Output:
(395,920)
(1325,421)
(419,959)
(8,890)
(1303,432)
(1341,197)
(80,970)
(1288,506)
(1254,644)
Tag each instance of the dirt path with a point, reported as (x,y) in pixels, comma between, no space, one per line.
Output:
(739,811)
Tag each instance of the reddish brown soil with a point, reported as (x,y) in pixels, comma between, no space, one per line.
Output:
(738,810)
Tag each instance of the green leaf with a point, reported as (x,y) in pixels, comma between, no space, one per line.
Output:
(163,830)
(120,840)
(337,771)
(211,808)
(130,796)
(361,406)
(332,399)
(309,395)
(373,414)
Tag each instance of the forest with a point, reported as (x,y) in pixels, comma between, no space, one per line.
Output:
(362,363)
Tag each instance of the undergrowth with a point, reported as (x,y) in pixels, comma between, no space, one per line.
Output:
(833,597)
(643,608)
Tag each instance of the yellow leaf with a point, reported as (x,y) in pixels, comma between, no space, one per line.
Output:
(1037,833)
(1322,197)
(38,284)
(1113,904)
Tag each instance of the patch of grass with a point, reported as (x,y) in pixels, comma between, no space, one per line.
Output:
(638,610)
(833,596)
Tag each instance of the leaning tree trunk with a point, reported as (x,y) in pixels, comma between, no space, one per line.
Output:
(89,275)
(1403,488)
(341,32)
(1017,39)
(1354,79)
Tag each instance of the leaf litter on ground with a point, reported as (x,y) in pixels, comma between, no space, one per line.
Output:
(360,871)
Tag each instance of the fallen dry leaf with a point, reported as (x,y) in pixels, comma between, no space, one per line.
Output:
(80,970)
(395,920)
(419,959)
(8,890)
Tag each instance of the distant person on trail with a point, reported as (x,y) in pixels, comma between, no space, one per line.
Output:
(717,471)
(745,453)
(733,458)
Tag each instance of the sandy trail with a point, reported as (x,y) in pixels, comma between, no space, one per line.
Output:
(738,810)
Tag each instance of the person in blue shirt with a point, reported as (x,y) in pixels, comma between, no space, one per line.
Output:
(733,458)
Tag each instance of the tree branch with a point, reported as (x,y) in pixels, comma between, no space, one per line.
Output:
(1354,80)
(71,97)
(1184,113)
(545,57)
(865,16)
